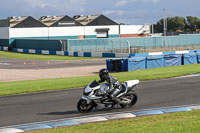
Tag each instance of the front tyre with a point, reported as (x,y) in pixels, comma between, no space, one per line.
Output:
(131,95)
(83,107)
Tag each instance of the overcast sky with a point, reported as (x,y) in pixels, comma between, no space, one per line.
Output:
(121,11)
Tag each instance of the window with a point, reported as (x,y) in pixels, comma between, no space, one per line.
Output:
(102,33)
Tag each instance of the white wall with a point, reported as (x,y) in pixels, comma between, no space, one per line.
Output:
(90,30)
(66,31)
(71,31)
(4,32)
(28,32)
(134,29)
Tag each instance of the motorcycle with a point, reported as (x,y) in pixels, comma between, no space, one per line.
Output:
(95,94)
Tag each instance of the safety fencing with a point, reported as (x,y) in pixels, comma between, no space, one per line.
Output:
(113,45)
(135,45)
(155,61)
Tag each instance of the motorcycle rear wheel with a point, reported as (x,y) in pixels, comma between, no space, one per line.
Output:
(133,97)
(83,107)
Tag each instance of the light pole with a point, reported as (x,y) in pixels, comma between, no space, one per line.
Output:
(164,23)
(152,31)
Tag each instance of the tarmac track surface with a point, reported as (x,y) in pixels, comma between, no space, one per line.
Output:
(29,108)
(6,63)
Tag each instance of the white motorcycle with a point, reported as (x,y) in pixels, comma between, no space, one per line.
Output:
(95,94)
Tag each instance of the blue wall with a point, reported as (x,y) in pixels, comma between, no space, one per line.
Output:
(53,45)
(4,42)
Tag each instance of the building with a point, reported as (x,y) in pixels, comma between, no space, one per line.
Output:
(64,27)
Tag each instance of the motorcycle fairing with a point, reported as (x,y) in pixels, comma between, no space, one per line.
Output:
(131,83)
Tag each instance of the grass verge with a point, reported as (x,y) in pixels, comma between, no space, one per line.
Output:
(10,88)
(182,122)
(8,54)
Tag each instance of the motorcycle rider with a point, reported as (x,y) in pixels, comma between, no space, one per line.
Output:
(114,84)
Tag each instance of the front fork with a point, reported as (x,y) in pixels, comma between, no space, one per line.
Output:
(87,99)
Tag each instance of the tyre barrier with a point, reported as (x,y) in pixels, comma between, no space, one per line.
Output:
(153,61)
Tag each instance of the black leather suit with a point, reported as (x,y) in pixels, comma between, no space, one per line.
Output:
(114,86)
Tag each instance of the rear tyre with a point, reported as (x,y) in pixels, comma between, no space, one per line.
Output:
(83,107)
(131,95)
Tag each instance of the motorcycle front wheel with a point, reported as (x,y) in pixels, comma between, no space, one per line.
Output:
(131,95)
(83,107)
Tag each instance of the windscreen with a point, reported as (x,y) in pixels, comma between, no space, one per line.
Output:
(94,84)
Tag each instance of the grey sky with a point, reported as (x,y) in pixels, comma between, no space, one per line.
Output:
(122,11)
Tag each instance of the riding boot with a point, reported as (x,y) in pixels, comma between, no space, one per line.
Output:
(114,95)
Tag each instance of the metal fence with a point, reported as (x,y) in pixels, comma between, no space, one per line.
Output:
(134,45)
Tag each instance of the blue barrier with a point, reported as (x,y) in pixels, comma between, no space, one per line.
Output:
(124,64)
(108,64)
(189,59)
(87,54)
(173,60)
(25,51)
(114,65)
(131,64)
(155,62)
(136,63)
(198,58)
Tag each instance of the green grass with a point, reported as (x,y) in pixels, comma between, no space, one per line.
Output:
(8,54)
(10,88)
(182,122)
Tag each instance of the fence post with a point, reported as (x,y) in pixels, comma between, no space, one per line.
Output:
(120,46)
(104,46)
(81,46)
(129,47)
(96,45)
(62,46)
(88,42)
(112,46)
(68,46)
(76,45)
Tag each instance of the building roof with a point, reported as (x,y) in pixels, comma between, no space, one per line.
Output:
(58,21)
(93,20)
(24,22)
(16,20)
(50,20)
(84,20)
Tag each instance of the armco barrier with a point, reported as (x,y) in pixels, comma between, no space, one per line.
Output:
(94,54)
(3,48)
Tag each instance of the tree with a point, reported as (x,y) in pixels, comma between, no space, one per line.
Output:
(158,28)
(193,23)
(173,24)
(176,23)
